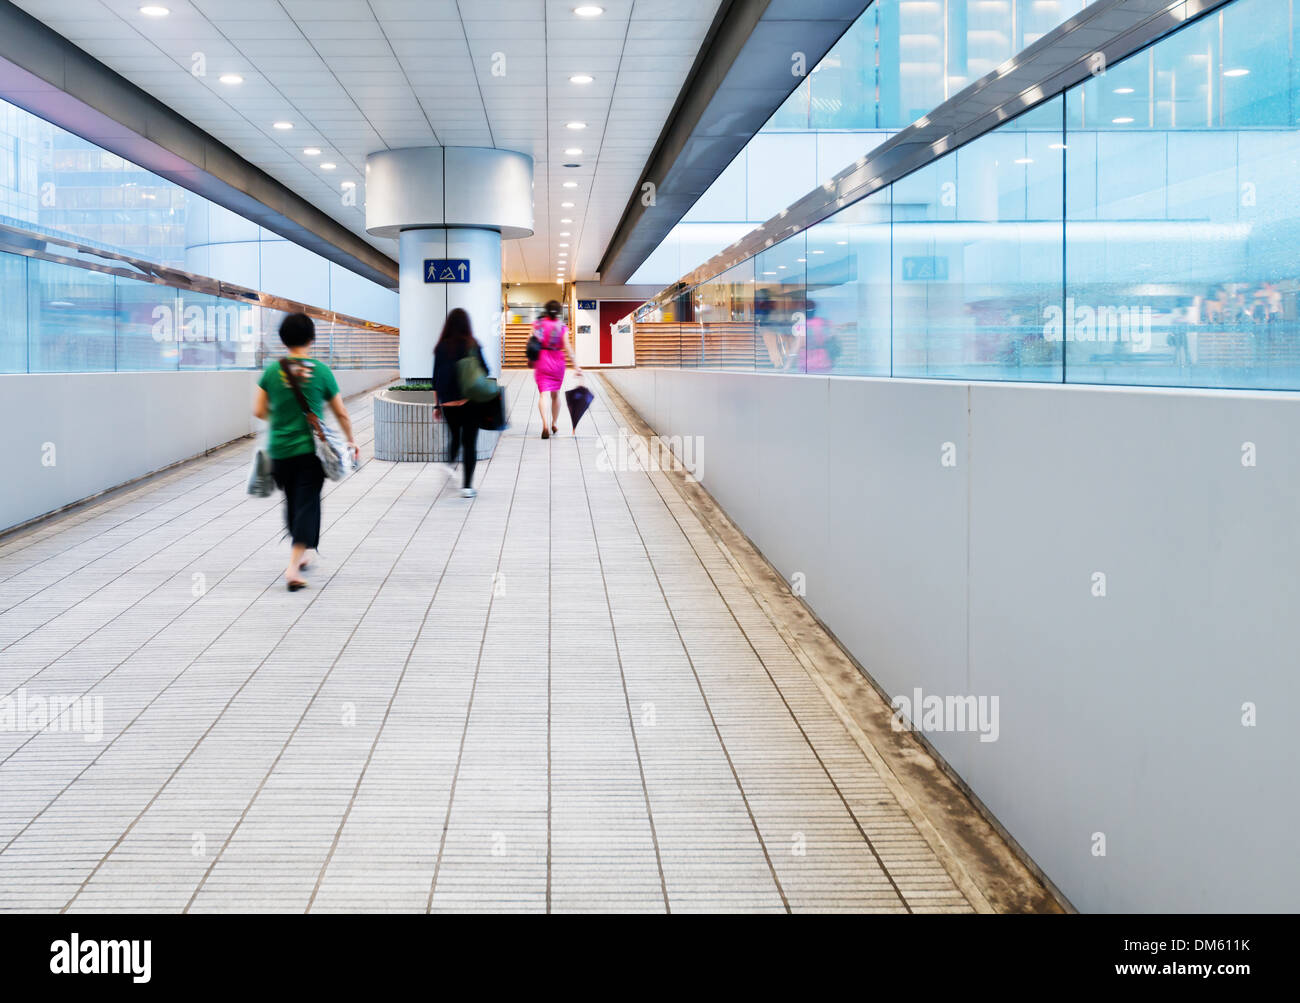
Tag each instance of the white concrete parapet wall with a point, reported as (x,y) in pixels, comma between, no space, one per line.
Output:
(71,436)
(954,537)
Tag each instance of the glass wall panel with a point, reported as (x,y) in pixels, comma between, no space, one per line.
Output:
(147,326)
(850,290)
(1140,229)
(70,319)
(198,312)
(977,256)
(780,341)
(1182,210)
(13,317)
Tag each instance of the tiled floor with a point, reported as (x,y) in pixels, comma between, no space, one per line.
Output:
(557,696)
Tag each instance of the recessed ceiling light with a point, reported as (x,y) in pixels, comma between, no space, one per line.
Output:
(348,184)
(575,125)
(1123,90)
(573,151)
(231,78)
(819,252)
(566,221)
(589,10)
(580,78)
(1236,73)
(565,233)
(312,151)
(570,184)
(1058,146)
(801,260)
(1024,160)
(328,167)
(841,243)
(564,245)
(1122,120)
(282,125)
(566,205)
(153,10)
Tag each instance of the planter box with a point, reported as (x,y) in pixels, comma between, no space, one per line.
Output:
(408,428)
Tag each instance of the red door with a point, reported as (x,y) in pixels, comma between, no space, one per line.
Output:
(611,312)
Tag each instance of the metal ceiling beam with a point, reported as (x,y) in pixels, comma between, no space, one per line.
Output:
(44,73)
(742,74)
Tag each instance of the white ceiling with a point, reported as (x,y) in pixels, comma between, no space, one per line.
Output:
(356,76)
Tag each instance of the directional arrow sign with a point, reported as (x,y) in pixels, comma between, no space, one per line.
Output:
(446,269)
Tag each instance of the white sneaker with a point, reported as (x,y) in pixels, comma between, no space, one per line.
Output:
(467,492)
(450,469)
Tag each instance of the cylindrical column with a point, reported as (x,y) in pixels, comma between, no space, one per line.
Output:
(452,205)
(424,305)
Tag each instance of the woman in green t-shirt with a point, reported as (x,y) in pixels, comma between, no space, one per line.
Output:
(292,447)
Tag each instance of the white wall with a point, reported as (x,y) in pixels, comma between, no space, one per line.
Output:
(1119,715)
(110,428)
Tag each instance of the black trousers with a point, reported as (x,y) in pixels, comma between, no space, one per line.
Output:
(300,478)
(462,426)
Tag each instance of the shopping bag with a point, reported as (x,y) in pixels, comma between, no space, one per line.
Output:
(491,415)
(475,383)
(260,482)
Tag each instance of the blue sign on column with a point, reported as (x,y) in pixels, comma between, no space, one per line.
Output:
(446,269)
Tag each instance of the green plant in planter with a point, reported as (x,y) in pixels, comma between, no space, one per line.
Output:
(413,387)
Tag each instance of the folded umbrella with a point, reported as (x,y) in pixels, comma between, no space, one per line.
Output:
(578,399)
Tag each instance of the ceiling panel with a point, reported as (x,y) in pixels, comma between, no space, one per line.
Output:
(356,76)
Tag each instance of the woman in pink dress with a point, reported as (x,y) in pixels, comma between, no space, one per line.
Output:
(548,371)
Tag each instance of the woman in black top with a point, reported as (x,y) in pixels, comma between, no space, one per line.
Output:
(461,414)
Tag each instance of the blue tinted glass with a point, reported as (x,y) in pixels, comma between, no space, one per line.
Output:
(780,332)
(849,289)
(70,319)
(13,317)
(1182,216)
(146,326)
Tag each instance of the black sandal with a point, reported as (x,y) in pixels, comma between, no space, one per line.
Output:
(546,434)
(295,586)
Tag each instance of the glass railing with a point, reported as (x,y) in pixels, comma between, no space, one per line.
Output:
(71,308)
(1139,228)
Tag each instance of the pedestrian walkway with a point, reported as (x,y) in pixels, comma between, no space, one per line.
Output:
(558,696)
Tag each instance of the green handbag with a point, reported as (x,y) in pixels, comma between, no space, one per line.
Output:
(474,381)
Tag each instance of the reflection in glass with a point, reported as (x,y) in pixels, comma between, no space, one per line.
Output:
(13,318)
(780,341)
(1182,224)
(70,318)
